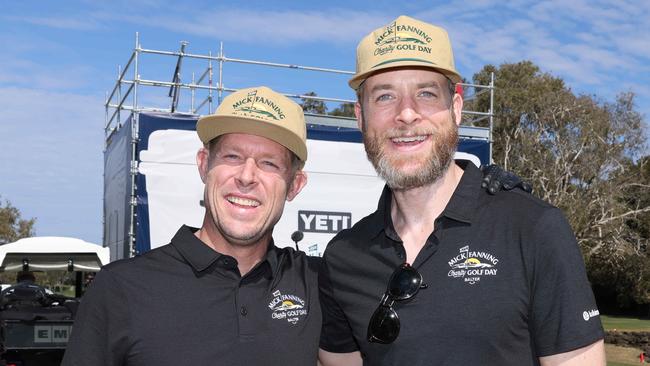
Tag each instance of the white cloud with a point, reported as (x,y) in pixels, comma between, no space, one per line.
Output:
(32,62)
(67,22)
(40,74)
(49,131)
(270,27)
(52,159)
(591,44)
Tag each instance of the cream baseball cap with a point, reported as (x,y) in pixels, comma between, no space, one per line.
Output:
(258,111)
(404,42)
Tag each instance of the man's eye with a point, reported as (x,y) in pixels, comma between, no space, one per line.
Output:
(384,97)
(427,94)
(231,157)
(268,165)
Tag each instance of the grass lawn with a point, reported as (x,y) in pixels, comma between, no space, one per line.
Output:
(621,323)
(622,356)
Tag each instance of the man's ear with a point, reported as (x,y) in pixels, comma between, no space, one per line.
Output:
(298,183)
(458,108)
(358,112)
(202,157)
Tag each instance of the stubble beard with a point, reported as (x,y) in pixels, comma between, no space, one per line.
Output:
(244,239)
(233,237)
(431,167)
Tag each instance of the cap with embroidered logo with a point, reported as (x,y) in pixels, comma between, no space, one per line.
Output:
(258,111)
(405,42)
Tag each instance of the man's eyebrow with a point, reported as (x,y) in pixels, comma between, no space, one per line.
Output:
(426,84)
(429,84)
(381,87)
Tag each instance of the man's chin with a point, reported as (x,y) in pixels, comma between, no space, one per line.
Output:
(410,175)
(242,238)
(407,168)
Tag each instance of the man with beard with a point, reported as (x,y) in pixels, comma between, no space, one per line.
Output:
(222,294)
(444,273)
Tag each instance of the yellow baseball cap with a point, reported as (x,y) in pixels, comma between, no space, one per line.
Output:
(405,42)
(258,111)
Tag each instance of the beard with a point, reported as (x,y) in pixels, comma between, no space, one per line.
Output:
(426,168)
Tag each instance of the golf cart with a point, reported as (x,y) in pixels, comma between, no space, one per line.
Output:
(35,322)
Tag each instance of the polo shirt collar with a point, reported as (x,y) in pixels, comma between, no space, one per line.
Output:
(381,219)
(200,256)
(461,207)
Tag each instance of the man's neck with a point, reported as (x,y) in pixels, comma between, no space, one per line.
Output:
(247,256)
(414,211)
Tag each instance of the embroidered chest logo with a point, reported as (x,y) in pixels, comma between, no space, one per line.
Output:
(289,307)
(471,266)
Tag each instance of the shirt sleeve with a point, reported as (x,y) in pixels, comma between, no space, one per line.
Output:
(100,331)
(336,333)
(564,315)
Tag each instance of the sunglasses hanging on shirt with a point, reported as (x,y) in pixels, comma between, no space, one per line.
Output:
(404,283)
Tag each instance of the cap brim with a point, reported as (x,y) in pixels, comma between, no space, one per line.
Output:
(210,127)
(358,79)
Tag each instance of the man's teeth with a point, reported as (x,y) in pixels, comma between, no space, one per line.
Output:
(408,139)
(242,201)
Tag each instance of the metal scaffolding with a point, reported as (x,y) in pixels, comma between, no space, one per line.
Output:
(129,85)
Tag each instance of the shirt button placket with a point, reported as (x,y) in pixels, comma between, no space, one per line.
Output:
(247,328)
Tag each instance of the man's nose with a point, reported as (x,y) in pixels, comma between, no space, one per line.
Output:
(408,111)
(247,173)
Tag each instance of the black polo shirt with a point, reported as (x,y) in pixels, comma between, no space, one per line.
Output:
(506,284)
(185,304)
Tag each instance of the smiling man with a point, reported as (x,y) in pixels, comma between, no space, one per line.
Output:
(444,273)
(222,294)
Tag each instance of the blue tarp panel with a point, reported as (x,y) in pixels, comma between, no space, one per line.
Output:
(150,122)
(117,188)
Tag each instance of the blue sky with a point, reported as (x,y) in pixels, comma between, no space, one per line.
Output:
(59,58)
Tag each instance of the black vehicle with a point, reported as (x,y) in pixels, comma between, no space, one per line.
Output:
(35,323)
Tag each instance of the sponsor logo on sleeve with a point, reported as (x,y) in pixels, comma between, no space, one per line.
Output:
(287,307)
(588,314)
(472,265)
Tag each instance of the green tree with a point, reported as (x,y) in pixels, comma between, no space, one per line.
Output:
(577,151)
(12,226)
(634,281)
(637,196)
(311,105)
(344,110)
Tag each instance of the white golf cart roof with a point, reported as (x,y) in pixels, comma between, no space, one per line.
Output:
(53,253)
